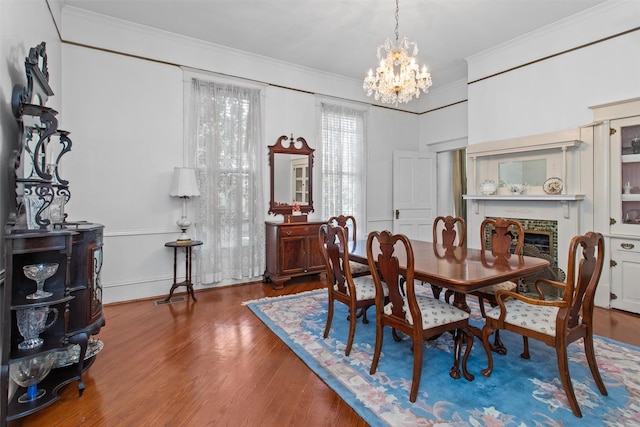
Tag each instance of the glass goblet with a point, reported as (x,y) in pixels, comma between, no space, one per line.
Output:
(29,372)
(39,273)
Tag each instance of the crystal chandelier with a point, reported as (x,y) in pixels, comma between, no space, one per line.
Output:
(398,78)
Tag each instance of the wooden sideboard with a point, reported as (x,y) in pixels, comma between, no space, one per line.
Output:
(293,250)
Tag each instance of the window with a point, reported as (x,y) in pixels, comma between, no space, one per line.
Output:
(343,161)
(228,160)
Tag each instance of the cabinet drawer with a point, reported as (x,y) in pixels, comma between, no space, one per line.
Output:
(299,230)
(626,245)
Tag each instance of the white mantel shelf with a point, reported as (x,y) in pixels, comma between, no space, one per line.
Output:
(528,197)
(564,199)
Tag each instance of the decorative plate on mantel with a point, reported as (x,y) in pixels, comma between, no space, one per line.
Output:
(488,187)
(552,186)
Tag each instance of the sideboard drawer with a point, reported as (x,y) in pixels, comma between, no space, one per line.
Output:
(298,230)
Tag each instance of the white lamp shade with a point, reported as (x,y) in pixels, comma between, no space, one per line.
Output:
(184,183)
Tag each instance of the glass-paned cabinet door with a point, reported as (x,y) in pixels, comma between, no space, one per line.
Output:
(300,173)
(94,281)
(625,176)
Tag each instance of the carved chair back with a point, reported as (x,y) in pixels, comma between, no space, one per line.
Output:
(348,222)
(332,240)
(503,236)
(449,231)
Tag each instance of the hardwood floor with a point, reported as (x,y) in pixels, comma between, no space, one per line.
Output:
(212,362)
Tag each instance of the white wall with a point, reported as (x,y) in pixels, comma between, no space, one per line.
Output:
(444,129)
(126,117)
(23,25)
(555,94)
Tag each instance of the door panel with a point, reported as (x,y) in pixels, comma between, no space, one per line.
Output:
(292,255)
(414,193)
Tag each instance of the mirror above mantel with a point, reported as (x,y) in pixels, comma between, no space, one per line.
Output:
(531,162)
(291,168)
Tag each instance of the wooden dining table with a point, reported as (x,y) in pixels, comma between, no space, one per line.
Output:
(459,269)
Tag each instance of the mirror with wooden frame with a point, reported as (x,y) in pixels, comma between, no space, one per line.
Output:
(291,163)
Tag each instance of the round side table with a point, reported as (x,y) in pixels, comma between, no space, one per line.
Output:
(188,247)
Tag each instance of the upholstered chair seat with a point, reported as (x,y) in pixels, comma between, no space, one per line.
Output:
(365,288)
(358,269)
(434,312)
(538,318)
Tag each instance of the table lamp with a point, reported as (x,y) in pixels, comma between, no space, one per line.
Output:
(184,185)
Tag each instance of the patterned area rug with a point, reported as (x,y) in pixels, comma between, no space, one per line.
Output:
(519,392)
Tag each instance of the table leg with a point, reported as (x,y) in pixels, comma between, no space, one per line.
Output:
(460,301)
(188,282)
(175,275)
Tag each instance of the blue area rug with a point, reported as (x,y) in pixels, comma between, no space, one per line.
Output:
(519,392)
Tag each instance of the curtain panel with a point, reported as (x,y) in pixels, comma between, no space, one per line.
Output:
(226,131)
(343,161)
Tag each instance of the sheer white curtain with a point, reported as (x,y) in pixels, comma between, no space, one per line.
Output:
(343,160)
(225,128)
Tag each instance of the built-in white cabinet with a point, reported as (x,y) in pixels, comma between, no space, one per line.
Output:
(618,132)
(625,270)
(625,176)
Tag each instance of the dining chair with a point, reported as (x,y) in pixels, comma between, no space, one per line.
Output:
(499,235)
(450,232)
(557,323)
(357,293)
(348,222)
(419,316)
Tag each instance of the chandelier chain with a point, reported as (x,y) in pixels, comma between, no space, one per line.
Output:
(397,19)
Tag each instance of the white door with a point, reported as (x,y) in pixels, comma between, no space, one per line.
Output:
(414,193)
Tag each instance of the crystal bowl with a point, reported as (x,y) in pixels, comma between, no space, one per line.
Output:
(40,272)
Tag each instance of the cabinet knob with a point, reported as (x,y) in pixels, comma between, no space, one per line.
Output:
(288,232)
(627,245)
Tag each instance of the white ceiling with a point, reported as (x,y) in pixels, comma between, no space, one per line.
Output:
(341,36)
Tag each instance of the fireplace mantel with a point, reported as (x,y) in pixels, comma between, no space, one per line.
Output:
(483,161)
(527,197)
(564,200)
